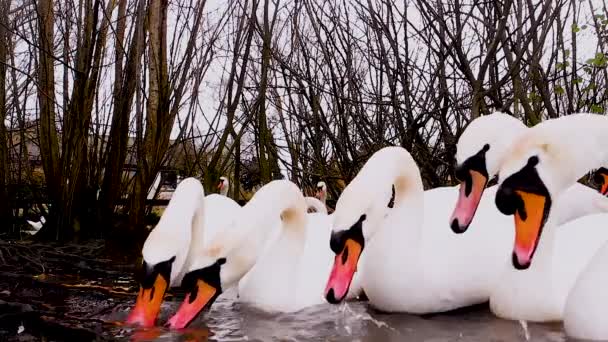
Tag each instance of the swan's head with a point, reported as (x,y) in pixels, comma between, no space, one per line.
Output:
(321,191)
(321,186)
(203,286)
(347,245)
(223,185)
(154,280)
(600,177)
(215,268)
(42,220)
(478,152)
(532,174)
(355,221)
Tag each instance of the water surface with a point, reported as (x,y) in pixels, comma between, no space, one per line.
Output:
(353,321)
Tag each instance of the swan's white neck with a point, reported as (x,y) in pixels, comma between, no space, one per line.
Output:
(278,202)
(371,189)
(578,143)
(174,231)
(322,196)
(592,146)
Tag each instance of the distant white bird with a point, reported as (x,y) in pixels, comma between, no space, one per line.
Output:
(223,186)
(35,225)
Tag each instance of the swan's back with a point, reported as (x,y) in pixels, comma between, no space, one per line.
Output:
(457,256)
(576,244)
(587,303)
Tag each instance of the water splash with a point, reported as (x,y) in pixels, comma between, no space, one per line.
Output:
(524,326)
(345,310)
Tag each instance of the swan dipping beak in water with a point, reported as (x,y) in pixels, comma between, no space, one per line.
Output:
(204,287)
(154,281)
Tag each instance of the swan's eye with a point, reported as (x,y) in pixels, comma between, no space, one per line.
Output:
(492,181)
(391,202)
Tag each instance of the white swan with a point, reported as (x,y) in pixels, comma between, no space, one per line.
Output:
(36,226)
(539,168)
(278,277)
(167,252)
(480,149)
(321,194)
(223,185)
(413,263)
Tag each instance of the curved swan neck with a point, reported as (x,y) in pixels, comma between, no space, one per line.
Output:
(587,146)
(173,233)
(573,145)
(279,201)
(272,200)
(371,189)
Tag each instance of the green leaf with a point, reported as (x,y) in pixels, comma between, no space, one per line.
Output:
(559,90)
(597,109)
(566,53)
(575,28)
(562,66)
(577,80)
(600,16)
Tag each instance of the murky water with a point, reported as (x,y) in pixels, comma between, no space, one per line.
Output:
(229,320)
(354,321)
(68,307)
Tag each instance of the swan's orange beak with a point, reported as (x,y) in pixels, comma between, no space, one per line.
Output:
(469,196)
(200,297)
(148,303)
(345,266)
(528,227)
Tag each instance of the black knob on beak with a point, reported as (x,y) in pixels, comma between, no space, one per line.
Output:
(507,200)
(462,172)
(336,241)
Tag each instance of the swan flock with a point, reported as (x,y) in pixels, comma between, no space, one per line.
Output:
(533,245)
